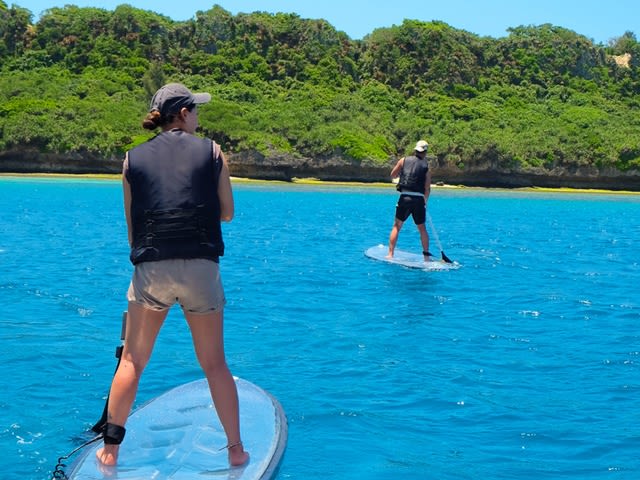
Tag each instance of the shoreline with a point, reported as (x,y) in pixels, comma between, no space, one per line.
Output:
(325,183)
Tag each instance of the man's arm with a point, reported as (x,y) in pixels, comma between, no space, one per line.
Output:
(427,187)
(395,172)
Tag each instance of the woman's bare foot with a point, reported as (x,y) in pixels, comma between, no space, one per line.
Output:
(237,455)
(108,454)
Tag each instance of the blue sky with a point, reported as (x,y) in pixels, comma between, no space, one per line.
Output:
(597,20)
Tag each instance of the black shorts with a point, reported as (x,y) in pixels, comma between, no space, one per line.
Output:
(411,205)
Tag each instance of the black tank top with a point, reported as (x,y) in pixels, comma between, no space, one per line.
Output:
(175,211)
(413,175)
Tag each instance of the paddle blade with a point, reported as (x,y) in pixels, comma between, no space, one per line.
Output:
(445,258)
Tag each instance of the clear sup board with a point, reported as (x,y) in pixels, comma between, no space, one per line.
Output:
(408,259)
(178,436)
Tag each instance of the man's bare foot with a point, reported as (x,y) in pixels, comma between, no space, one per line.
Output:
(108,454)
(237,455)
(389,255)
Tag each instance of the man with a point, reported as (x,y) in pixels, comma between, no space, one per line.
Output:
(414,186)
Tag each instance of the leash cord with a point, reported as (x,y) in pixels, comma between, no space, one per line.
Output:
(58,472)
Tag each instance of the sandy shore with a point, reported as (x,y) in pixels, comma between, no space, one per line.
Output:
(315,181)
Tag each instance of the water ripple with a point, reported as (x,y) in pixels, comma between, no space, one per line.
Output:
(524,363)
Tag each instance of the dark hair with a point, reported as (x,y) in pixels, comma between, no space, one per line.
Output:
(154,120)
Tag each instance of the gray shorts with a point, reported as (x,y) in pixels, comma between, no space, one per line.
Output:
(193,283)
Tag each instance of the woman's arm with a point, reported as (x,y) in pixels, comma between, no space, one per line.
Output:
(225,193)
(126,189)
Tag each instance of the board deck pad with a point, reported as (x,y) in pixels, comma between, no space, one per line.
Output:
(178,436)
(408,259)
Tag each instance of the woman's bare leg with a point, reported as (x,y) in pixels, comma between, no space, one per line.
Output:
(208,341)
(142,329)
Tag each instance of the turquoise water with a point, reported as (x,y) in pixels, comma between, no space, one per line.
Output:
(524,363)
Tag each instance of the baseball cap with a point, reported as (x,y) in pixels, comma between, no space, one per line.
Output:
(174,96)
(421,146)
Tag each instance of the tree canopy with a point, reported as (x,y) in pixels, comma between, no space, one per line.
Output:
(79,80)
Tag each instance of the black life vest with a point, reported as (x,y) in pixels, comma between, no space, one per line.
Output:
(413,175)
(175,211)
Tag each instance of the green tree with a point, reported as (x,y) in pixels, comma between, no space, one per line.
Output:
(542,100)
(16,31)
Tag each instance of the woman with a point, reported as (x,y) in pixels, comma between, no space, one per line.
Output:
(177,190)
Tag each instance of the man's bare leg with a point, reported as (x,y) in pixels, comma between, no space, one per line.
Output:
(393,236)
(424,239)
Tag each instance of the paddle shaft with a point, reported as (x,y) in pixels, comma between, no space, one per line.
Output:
(435,236)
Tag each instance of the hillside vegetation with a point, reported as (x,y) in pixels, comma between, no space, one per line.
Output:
(543,105)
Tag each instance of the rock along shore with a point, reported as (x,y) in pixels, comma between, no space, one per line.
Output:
(253,165)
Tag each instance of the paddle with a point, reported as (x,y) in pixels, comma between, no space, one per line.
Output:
(435,235)
(99,426)
(58,472)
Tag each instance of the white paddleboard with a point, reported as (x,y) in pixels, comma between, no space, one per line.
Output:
(408,259)
(178,436)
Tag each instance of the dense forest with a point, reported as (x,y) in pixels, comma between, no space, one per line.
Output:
(295,97)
